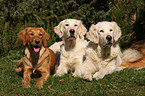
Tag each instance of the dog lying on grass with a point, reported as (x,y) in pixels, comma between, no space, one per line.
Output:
(37,58)
(103,54)
(72,48)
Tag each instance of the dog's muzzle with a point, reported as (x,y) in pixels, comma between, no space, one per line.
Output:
(71,33)
(36,45)
(37,41)
(109,39)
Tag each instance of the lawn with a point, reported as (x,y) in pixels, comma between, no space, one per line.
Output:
(128,82)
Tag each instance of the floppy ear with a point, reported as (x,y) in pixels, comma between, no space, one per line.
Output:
(117,31)
(59,29)
(22,36)
(92,35)
(82,29)
(45,37)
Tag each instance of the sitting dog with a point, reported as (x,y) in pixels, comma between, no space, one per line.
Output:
(72,48)
(37,58)
(103,54)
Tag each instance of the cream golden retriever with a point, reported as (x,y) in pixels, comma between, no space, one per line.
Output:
(103,54)
(72,47)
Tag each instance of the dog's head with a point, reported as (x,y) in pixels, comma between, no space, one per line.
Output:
(104,33)
(34,37)
(70,28)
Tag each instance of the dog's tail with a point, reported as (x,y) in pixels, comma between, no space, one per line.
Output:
(134,57)
(131,55)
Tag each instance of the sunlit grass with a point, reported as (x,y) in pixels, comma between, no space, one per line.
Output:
(127,82)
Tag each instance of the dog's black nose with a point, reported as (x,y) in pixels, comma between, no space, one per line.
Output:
(109,38)
(72,31)
(37,41)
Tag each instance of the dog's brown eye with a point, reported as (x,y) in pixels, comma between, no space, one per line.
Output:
(76,25)
(111,30)
(66,24)
(101,31)
(40,34)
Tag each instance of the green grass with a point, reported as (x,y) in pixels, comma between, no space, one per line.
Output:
(128,82)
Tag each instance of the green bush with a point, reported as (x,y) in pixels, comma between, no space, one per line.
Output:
(19,14)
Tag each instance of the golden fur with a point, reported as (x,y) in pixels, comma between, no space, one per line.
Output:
(37,58)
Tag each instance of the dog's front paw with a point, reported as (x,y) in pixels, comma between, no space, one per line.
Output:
(98,75)
(77,73)
(120,68)
(85,74)
(87,77)
(59,73)
(17,70)
(39,84)
(27,85)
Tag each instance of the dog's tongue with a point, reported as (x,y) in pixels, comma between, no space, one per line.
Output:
(36,49)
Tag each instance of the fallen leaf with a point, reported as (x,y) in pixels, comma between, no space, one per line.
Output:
(49,86)
(61,80)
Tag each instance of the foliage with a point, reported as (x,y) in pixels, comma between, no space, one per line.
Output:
(15,15)
(19,14)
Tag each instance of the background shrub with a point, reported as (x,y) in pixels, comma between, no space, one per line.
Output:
(15,15)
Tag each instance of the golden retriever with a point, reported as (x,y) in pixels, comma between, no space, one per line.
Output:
(103,54)
(37,58)
(72,48)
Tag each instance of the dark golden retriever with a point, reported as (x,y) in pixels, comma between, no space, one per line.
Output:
(37,58)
